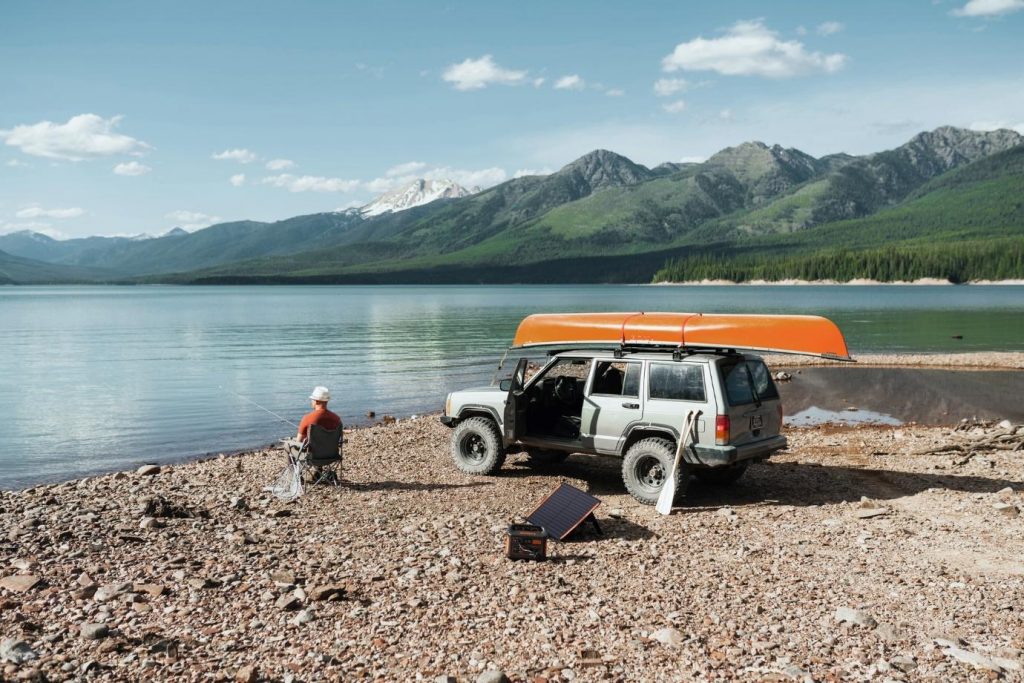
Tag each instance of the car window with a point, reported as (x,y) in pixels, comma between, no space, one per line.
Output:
(746,381)
(577,368)
(617,378)
(676,382)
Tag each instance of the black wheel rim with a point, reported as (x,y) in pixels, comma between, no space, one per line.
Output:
(473,448)
(649,471)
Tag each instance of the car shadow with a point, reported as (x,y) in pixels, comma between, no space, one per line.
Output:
(775,483)
(392,485)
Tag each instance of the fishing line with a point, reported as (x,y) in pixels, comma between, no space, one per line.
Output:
(259,406)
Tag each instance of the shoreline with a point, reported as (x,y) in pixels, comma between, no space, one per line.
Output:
(856,282)
(962,362)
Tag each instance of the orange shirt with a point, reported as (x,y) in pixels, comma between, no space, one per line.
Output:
(322,417)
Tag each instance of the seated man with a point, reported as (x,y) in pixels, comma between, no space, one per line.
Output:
(319,416)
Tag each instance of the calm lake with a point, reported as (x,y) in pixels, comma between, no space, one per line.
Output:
(101,378)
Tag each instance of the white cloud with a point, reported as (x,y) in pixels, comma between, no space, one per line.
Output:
(615,92)
(131,168)
(280,164)
(666,87)
(674,107)
(354,204)
(801,30)
(570,82)
(484,177)
(726,115)
(692,160)
(539,81)
(749,48)
(242,156)
(309,183)
(408,168)
(238,179)
(474,74)
(40,212)
(828,28)
(15,163)
(997,125)
(532,171)
(84,136)
(989,8)
(192,220)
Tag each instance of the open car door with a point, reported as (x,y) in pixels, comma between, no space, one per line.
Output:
(515,404)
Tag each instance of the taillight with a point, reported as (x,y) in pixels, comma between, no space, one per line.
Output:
(722,427)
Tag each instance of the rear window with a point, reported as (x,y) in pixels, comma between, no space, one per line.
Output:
(747,381)
(676,382)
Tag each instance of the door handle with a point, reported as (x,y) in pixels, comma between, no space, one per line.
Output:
(632,406)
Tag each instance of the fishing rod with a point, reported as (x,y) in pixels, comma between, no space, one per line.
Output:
(249,400)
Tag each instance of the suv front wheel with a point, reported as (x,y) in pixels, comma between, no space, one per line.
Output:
(645,470)
(476,446)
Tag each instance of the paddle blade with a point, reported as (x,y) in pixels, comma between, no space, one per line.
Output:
(668,491)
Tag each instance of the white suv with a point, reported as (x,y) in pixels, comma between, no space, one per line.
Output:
(626,403)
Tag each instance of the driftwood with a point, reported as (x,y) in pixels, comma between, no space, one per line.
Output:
(973,438)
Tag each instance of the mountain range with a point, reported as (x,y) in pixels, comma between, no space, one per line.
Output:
(948,203)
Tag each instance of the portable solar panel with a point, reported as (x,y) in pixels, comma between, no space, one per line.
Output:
(563,510)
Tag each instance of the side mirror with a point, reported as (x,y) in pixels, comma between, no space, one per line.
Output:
(505,384)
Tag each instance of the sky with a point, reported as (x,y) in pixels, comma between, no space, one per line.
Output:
(120,118)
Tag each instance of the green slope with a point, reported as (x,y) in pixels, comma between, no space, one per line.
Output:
(23,271)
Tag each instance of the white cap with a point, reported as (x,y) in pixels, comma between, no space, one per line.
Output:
(321,394)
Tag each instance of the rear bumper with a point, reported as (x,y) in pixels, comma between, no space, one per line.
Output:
(448,420)
(719,456)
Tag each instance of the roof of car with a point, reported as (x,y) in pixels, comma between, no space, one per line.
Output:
(647,354)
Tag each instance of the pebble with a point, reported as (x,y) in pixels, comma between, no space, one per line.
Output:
(667,636)
(855,616)
(95,631)
(1006,509)
(148,470)
(492,676)
(247,674)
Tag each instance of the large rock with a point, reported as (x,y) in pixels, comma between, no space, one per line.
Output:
(19,583)
(667,636)
(492,676)
(94,631)
(16,651)
(855,616)
(148,470)
(111,591)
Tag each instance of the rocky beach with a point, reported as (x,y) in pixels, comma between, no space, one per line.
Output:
(861,553)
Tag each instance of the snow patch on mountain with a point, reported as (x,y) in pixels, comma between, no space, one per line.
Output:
(416,193)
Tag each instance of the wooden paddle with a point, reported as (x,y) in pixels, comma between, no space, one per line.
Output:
(668,489)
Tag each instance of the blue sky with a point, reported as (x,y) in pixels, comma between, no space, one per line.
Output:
(113,114)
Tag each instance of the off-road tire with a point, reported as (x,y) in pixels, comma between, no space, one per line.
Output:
(722,476)
(544,457)
(646,466)
(476,446)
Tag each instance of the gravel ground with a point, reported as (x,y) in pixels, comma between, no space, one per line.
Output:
(193,573)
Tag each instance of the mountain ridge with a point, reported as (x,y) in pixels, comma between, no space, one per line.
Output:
(600,204)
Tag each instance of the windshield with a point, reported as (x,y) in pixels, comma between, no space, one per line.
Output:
(507,366)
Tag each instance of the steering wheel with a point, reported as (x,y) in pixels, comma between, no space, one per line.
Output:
(565,390)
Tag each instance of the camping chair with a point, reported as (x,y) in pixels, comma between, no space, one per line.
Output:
(317,459)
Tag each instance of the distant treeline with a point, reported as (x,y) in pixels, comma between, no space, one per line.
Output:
(957,262)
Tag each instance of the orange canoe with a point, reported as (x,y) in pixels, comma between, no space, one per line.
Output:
(801,334)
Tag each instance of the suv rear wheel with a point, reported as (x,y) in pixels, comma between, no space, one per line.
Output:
(476,446)
(722,476)
(646,467)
